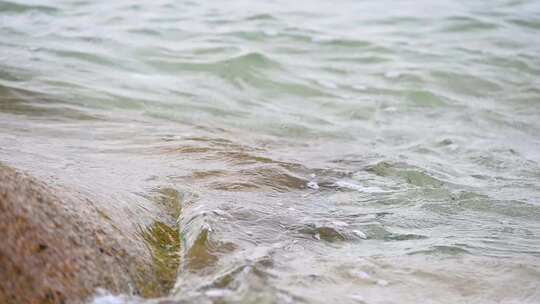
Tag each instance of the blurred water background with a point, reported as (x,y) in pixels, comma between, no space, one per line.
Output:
(315,151)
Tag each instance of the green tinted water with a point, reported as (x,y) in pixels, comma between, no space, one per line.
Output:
(349,151)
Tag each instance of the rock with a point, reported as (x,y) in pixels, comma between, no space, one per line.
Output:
(58,248)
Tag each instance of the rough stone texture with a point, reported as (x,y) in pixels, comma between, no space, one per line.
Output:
(56,247)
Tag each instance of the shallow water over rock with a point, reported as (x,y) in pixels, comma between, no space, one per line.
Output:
(348,152)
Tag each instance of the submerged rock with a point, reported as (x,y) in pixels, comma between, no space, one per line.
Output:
(58,248)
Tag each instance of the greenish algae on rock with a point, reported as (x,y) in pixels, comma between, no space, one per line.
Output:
(164,243)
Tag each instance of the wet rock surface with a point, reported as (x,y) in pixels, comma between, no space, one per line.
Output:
(58,248)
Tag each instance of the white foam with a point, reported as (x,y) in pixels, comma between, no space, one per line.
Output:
(362,275)
(340,223)
(390,109)
(357,297)
(216,293)
(360,188)
(313,185)
(109,299)
(360,234)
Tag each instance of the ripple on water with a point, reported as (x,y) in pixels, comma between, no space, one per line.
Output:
(15,7)
(294,153)
(406,173)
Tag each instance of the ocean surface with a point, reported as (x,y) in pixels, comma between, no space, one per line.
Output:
(315,151)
